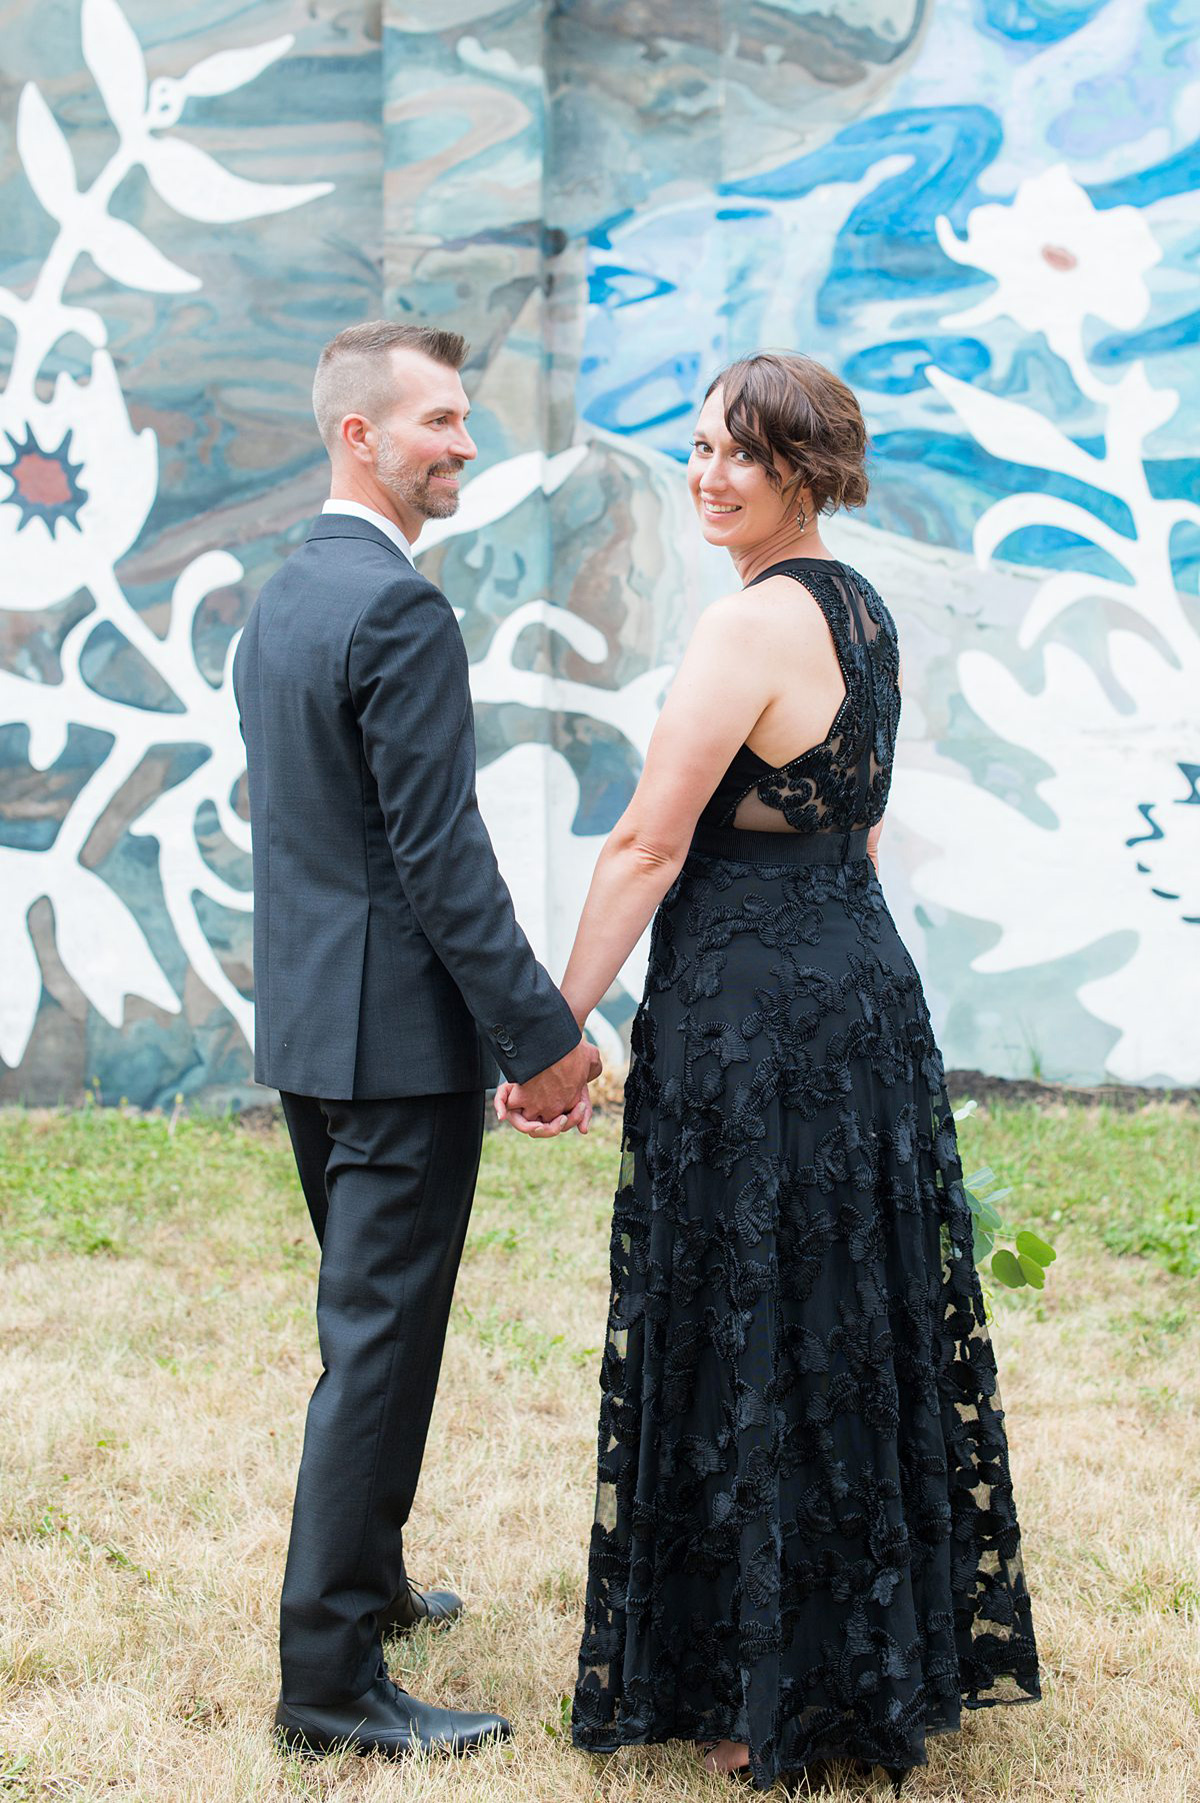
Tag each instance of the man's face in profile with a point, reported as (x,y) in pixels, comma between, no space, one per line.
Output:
(423,441)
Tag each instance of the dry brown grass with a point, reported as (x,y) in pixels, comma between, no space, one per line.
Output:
(153,1395)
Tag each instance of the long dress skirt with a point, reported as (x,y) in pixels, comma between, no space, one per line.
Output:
(805,1534)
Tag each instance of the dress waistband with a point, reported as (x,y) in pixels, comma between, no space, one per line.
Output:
(779,848)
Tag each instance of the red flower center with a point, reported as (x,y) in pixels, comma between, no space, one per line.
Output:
(41,479)
(1059,257)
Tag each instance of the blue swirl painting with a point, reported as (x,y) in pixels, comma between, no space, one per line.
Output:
(982,213)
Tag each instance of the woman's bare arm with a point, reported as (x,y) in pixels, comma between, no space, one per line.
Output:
(714,703)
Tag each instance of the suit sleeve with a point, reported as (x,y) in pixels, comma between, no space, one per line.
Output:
(410,689)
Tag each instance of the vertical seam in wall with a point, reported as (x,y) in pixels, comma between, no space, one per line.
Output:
(545,189)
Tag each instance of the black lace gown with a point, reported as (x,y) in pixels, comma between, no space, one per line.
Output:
(805,1536)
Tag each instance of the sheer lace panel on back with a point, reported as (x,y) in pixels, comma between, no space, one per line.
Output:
(841,784)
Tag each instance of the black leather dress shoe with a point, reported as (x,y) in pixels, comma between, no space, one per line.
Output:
(386,1720)
(412,1606)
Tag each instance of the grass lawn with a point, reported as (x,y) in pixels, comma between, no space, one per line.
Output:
(159,1347)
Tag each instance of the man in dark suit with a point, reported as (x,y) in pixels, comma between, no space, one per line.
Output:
(390,973)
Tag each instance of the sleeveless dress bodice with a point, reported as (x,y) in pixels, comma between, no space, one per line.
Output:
(840,785)
(805,1534)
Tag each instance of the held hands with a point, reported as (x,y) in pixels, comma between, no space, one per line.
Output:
(556,1099)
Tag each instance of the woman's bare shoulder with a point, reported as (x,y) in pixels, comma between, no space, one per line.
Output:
(756,627)
(721,616)
(784,610)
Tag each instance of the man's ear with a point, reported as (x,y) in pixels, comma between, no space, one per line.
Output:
(358,436)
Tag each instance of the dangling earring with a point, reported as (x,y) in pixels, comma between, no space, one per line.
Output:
(802,518)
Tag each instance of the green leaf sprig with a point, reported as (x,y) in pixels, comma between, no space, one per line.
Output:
(1025,1260)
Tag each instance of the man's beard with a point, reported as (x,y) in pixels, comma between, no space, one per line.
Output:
(410,483)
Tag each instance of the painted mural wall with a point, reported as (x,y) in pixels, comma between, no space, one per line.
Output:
(983,213)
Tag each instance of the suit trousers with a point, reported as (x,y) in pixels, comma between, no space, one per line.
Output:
(389,1186)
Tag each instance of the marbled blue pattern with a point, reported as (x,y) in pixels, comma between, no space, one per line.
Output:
(611,201)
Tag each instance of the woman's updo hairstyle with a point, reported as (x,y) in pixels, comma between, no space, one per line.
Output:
(777,404)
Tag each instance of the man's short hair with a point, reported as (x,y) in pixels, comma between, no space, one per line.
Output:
(354,372)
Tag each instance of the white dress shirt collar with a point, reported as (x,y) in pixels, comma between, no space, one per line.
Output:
(374,519)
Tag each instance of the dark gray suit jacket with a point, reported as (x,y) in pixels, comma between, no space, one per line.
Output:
(385,942)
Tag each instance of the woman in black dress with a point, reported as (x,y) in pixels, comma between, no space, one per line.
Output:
(805,1544)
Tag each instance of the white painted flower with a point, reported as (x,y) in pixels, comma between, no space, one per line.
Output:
(76,485)
(186,177)
(1056,258)
(1120,861)
(1122,855)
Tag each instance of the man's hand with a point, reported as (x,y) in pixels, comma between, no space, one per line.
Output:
(507,1105)
(556,1099)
